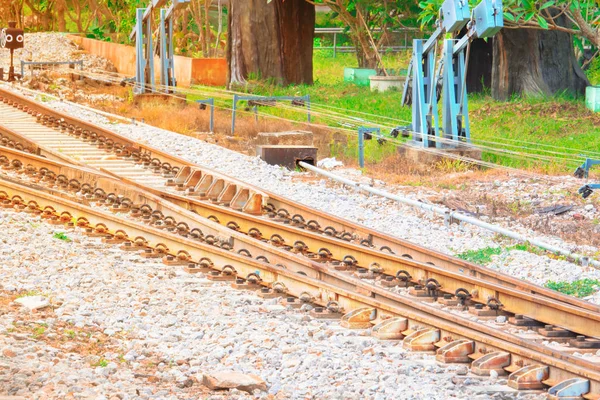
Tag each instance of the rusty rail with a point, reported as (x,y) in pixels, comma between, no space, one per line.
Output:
(422,326)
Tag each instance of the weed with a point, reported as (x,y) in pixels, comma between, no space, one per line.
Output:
(28,293)
(481,256)
(102,362)
(39,331)
(61,236)
(528,247)
(70,333)
(578,288)
(449,165)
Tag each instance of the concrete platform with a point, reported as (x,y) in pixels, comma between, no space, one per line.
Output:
(295,138)
(287,155)
(414,151)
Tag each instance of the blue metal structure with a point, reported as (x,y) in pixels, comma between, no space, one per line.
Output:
(145,48)
(211,103)
(144,67)
(255,101)
(454,15)
(364,134)
(485,21)
(583,171)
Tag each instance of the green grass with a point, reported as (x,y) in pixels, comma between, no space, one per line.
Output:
(481,256)
(39,331)
(579,288)
(484,256)
(28,294)
(101,363)
(559,121)
(61,236)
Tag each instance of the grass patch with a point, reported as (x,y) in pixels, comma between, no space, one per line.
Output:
(484,256)
(39,331)
(29,293)
(481,256)
(102,362)
(61,236)
(521,126)
(578,288)
(70,333)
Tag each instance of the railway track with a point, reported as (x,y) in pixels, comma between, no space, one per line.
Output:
(327,251)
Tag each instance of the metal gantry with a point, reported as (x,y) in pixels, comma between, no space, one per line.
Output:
(422,78)
(145,49)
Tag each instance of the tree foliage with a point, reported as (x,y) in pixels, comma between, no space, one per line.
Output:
(583,16)
(370,22)
(113,20)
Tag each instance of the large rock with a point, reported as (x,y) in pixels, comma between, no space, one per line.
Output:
(33,302)
(234,380)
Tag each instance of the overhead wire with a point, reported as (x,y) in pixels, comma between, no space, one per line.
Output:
(345,123)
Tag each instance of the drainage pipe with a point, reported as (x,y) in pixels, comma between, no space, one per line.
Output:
(453,215)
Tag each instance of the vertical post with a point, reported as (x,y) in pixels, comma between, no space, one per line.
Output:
(139,52)
(334,44)
(212,115)
(149,73)
(450,97)
(22,69)
(171,68)
(361,147)
(164,74)
(234,109)
(463,109)
(211,103)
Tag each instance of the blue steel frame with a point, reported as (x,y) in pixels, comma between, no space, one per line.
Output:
(454,91)
(486,21)
(144,47)
(424,105)
(237,98)
(211,103)
(144,71)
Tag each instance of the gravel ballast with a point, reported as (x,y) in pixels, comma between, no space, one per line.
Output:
(122,327)
(375,212)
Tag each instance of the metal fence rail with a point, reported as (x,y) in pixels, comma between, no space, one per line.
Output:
(40,63)
(407,35)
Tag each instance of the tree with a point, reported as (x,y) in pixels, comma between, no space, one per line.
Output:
(534,53)
(531,61)
(369,23)
(270,40)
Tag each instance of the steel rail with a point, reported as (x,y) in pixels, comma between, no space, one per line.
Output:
(547,311)
(455,215)
(516,301)
(444,330)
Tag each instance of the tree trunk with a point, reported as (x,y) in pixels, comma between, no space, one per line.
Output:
(481,60)
(366,55)
(270,41)
(61,9)
(535,62)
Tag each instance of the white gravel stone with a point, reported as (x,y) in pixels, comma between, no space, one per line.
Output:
(166,333)
(33,302)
